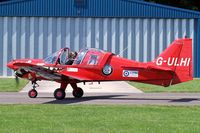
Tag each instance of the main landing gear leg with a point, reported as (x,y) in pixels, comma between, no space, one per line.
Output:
(33,93)
(77,91)
(59,93)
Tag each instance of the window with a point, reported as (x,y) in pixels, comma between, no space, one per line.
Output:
(80,56)
(63,57)
(93,60)
(51,58)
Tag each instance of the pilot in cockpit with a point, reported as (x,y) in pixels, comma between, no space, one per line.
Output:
(71,58)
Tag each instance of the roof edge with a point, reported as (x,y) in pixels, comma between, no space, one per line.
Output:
(13,1)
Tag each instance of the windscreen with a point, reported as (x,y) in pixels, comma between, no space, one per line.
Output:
(50,59)
(80,56)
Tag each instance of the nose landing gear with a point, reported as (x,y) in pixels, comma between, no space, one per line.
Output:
(33,93)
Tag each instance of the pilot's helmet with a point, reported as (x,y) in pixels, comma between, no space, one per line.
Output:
(75,54)
(72,55)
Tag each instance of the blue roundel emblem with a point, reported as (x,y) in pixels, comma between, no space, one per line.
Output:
(126,73)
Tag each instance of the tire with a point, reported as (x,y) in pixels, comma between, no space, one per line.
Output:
(59,94)
(78,92)
(32,93)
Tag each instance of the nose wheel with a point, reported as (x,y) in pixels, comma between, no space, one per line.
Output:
(33,93)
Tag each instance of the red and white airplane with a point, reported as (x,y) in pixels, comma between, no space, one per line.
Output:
(172,66)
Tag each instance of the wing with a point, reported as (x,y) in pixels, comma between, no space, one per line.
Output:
(44,72)
(56,72)
(39,69)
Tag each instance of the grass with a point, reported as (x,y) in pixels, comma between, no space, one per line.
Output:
(9,84)
(191,86)
(89,119)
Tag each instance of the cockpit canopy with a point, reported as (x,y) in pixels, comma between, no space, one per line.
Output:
(87,56)
(59,57)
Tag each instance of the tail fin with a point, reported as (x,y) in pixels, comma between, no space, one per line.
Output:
(178,57)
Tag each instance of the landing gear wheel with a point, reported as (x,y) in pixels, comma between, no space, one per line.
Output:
(59,94)
(32,93)
(78,92)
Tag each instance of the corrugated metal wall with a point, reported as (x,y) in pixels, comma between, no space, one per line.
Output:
(135,38)
(92,8)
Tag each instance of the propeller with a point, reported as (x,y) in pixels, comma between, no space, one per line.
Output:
(19,73)
(17,80)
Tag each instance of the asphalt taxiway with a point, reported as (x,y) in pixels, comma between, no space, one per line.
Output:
(104,93)
(105,98)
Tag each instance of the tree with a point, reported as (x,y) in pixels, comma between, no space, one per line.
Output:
(188,4)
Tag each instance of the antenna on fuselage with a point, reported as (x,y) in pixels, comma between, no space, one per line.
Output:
(121,52)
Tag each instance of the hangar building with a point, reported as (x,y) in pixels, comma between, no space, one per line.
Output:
(132,28)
